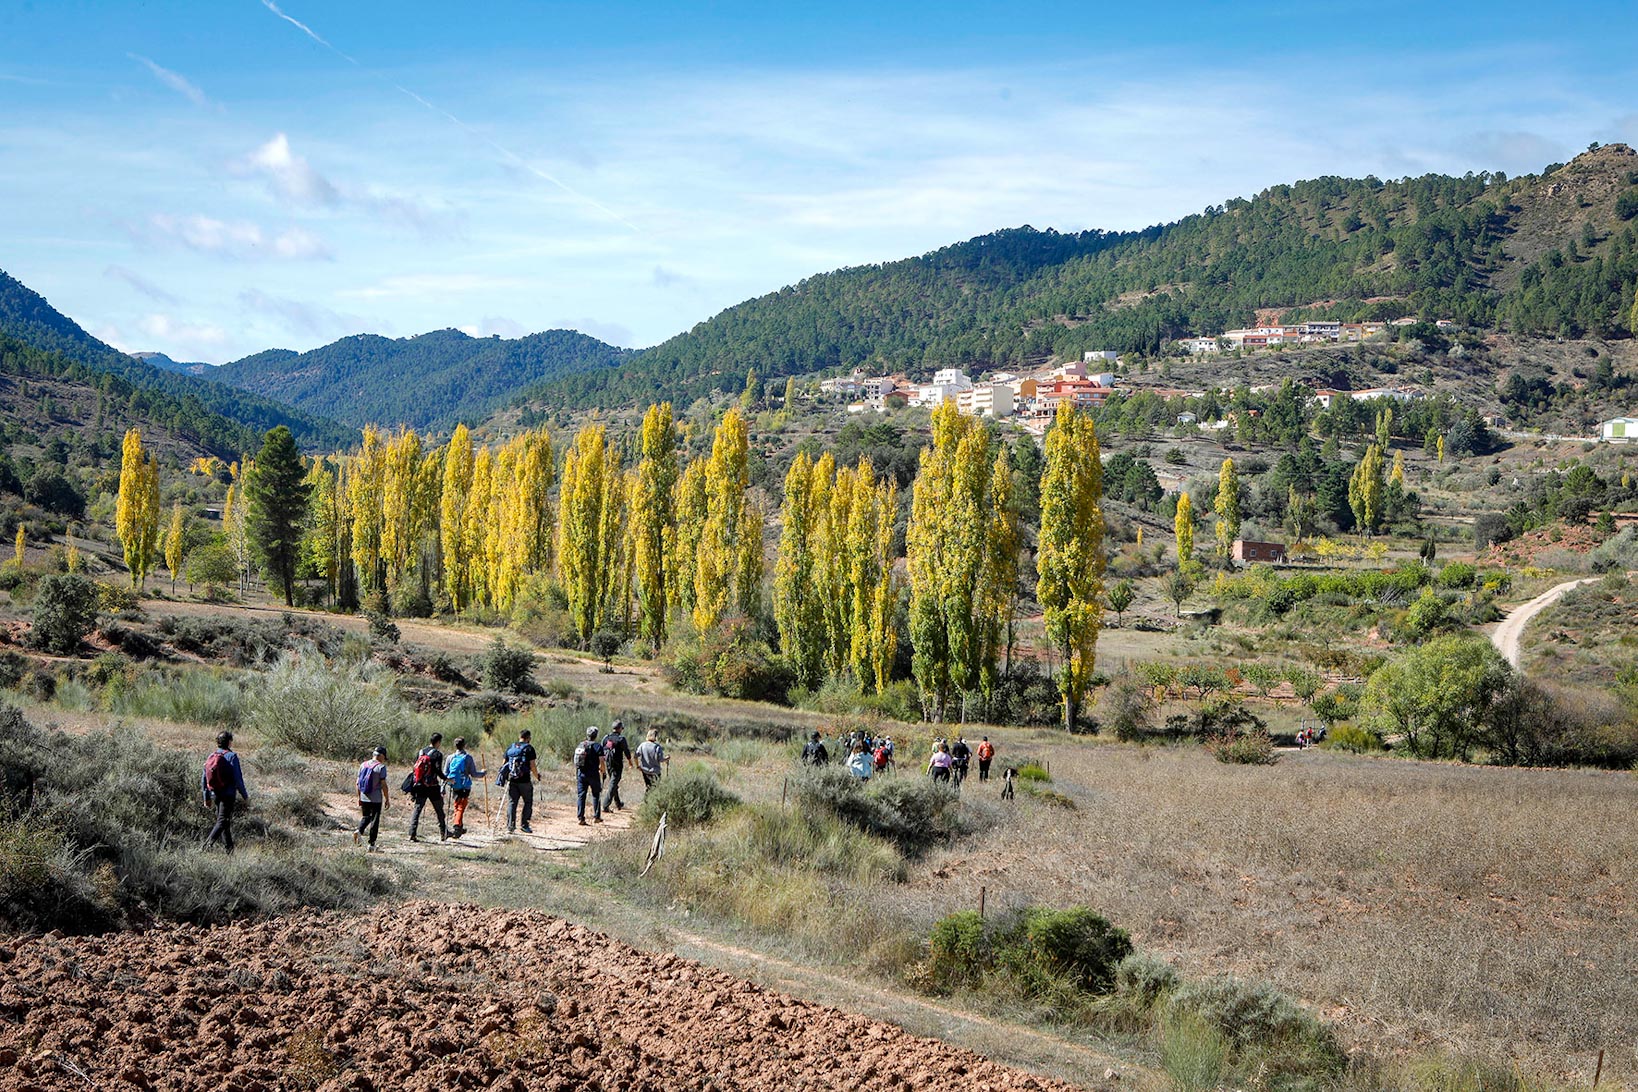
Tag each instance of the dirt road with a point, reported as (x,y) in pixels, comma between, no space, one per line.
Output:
(422,997)
(1506,636)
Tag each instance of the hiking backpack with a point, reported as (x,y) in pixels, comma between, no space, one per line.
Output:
(517,765)
(425,773)
(219,774)
(585,757)
(366,779)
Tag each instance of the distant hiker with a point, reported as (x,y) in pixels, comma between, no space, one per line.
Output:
(519,774)
(960,757)
(881,757)
(461,770)
(617,756)
(939,765)
(651,759)
(986,754)
(372,797)
(425,784)
(814,754)
(1006,783)
(222,783)
(859,763)
(887,745)
(588,776)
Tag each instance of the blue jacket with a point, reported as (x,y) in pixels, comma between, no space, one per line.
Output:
(238,776)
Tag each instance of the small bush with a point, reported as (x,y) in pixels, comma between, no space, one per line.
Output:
(508,667)
(689,797)
(730,661)
(1193,1053)
(13,667)
(1078,943)
(1268,1032)
(1031,771)
(331,710)
(958,949)
(1037,954)
(913,813)
(1145,978)
(65,610)
(1353,738)
(382,628)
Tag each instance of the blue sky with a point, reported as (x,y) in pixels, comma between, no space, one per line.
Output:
(212,179)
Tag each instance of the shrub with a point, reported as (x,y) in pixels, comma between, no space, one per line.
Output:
(1248,747)
(911,812)
(958,949)
(689,797)
(1457,574)
(196,696)
(1078,943)
(1035,953)
(382,628)
(1267,1031)
(1031,771)
(1353,738)
(332,710)
(508,667)
(730,661)
(1145,978)
(13,667)
(65,610)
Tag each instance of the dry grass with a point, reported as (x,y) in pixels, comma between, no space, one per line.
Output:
(1417,905)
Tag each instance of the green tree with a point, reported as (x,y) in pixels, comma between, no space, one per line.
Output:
(65,610)
(276,491)
(799,598)
(1178,586)
(1120,598)
(175,543)
(1070,558)
(1437,696)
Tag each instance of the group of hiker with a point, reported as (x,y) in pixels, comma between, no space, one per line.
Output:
(865,757)
(598,767)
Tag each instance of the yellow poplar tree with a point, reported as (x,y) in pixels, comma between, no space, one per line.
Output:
(1183,528)
(22,543)
(798,597)
(173,542)
(654,520)
(475,525)
(588,529)
(1397,475)
(998,587)
(364,496)
(1070,561)
(727,563)
(1227,507)
(1365,490)
(876,589)
(136,514)
(454,498)
(691,513)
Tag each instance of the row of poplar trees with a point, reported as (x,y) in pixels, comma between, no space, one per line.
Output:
(635,548)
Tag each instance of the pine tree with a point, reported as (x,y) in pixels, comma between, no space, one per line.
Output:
(1183,528)
(175,543)
(1227,507)
(276,491)
(1070,561)
(136,513)
(654,521)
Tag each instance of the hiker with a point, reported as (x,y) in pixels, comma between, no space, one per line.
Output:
(519,774)
(887,745)
(939,765)
(986,754)
(617,756)
(814,754)
(588,776)
(960,757)
(859,763)
(372,797)
(461,770)
(651,759)
(881,757)
(425,784)
(222,783)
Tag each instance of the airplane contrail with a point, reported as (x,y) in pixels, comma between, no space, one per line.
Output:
(505,152)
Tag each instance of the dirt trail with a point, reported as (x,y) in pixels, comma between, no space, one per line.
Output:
(554,828)
(1506,636)
(422,997)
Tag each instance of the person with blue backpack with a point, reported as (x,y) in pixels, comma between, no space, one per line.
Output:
(518,775)
(459,773)
(222,784)
(372,797)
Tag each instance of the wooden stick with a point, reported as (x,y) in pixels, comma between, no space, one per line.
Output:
(981,893)
(1599,1072)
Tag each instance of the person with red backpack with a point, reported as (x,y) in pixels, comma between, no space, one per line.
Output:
(372,797)
(986,755)
(222,783)
(425,784)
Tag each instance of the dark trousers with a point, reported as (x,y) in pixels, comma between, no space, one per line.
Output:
(516,791)
(371,822)
(423,797)
(584,784)
(611,797)
(223,830)
(649,780)
(984,769)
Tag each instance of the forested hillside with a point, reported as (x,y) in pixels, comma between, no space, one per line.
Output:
(50,395)
(429,381)
(27,318)
(1554,253)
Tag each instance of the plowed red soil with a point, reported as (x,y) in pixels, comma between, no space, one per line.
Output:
(429,996)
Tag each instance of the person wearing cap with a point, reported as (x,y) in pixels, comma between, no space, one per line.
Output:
(372,796)
(814,753)
(588,776)
(616,757)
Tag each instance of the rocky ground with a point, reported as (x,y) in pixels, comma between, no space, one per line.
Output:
(429,996)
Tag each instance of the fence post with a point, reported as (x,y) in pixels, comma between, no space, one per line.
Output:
(982,892)
(783,789)
(1599,1072)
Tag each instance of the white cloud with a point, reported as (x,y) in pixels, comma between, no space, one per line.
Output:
(174,80)
(288,175)
(432,285)
(494,326)
(310,319)
(181,339)
(236,239)
(614,333)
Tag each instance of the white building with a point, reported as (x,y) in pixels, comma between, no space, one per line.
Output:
(1619,430)
(954,378)
(1100,356)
